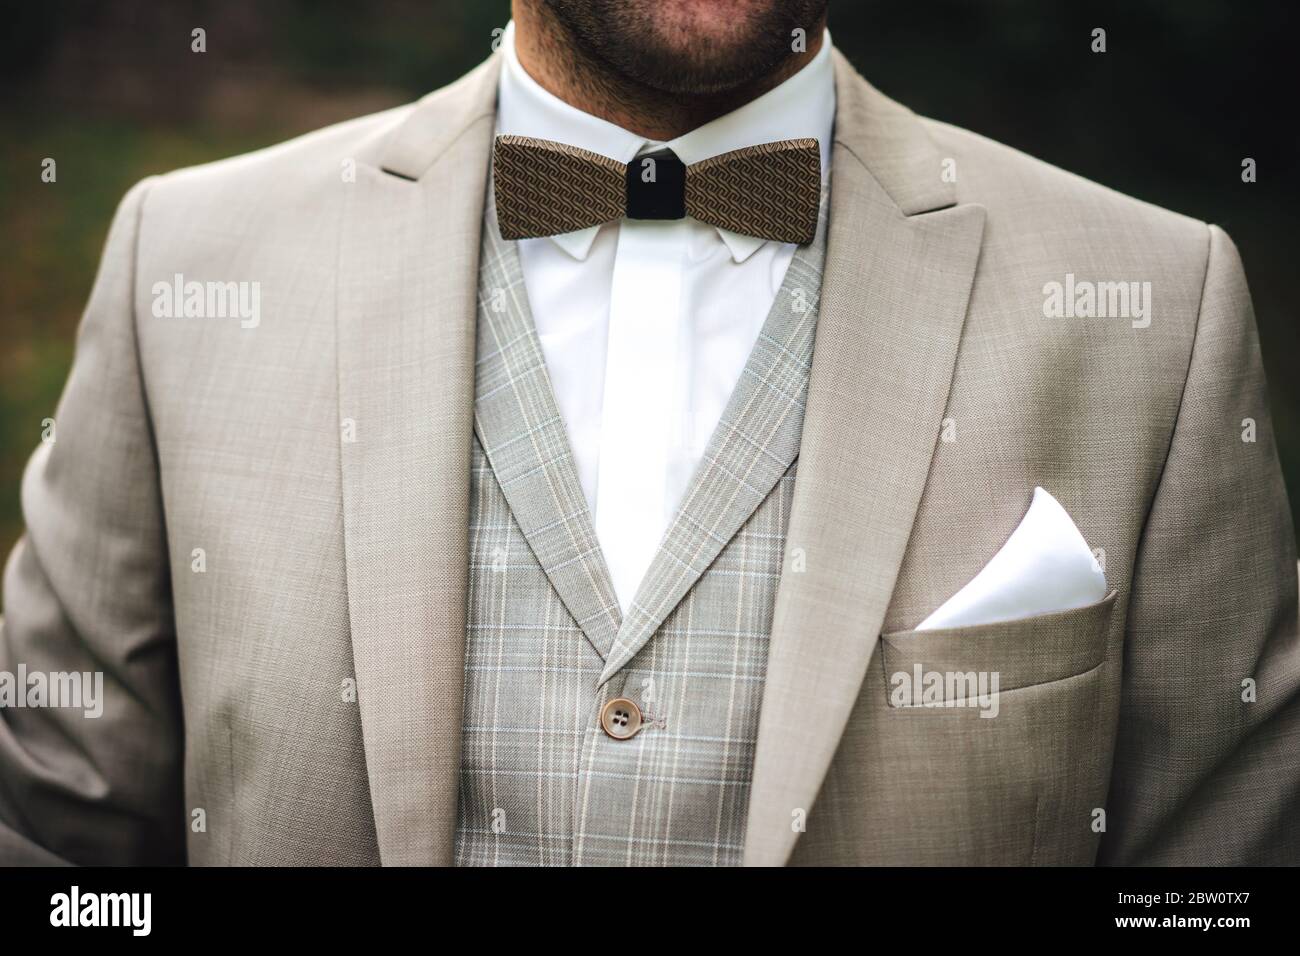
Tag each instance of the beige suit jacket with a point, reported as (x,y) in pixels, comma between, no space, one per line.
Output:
(235,523)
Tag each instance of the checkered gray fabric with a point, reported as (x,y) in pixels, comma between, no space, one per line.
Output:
(541,784)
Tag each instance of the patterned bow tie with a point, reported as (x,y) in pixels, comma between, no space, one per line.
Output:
(543,188)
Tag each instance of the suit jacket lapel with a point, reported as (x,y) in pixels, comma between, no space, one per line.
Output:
(522,432)
(406,300)
(901,257)
(754,444)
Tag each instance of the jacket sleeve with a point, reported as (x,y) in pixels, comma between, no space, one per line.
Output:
(87,591)
(1207,759)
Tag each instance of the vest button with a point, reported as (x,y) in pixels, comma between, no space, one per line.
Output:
(620,718)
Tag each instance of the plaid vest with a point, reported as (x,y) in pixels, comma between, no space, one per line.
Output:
(540,782)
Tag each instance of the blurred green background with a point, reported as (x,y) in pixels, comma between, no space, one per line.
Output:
(113,92)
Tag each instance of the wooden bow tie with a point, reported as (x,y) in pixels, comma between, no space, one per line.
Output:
(544,188)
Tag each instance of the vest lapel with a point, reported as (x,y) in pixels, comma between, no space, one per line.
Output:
(519,425)
(755,443)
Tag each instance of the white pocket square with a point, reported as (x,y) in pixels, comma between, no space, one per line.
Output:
(1045,566)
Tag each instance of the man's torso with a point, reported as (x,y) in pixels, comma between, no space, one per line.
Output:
(277,446)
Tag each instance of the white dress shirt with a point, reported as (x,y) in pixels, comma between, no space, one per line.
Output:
(646,325)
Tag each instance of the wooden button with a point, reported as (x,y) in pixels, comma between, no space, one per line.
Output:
(620,718)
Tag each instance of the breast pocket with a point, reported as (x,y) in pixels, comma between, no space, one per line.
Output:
(1023,788)
(1021,653)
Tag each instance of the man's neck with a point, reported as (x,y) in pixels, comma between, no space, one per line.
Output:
(560,66)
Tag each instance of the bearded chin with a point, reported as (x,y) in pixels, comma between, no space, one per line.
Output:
(682,50)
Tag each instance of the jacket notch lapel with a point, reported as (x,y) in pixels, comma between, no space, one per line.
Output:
(901,259)
(407,276)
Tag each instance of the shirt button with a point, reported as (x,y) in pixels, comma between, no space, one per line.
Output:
(620,718)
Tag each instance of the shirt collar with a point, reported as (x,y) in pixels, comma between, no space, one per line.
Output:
(801,106)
